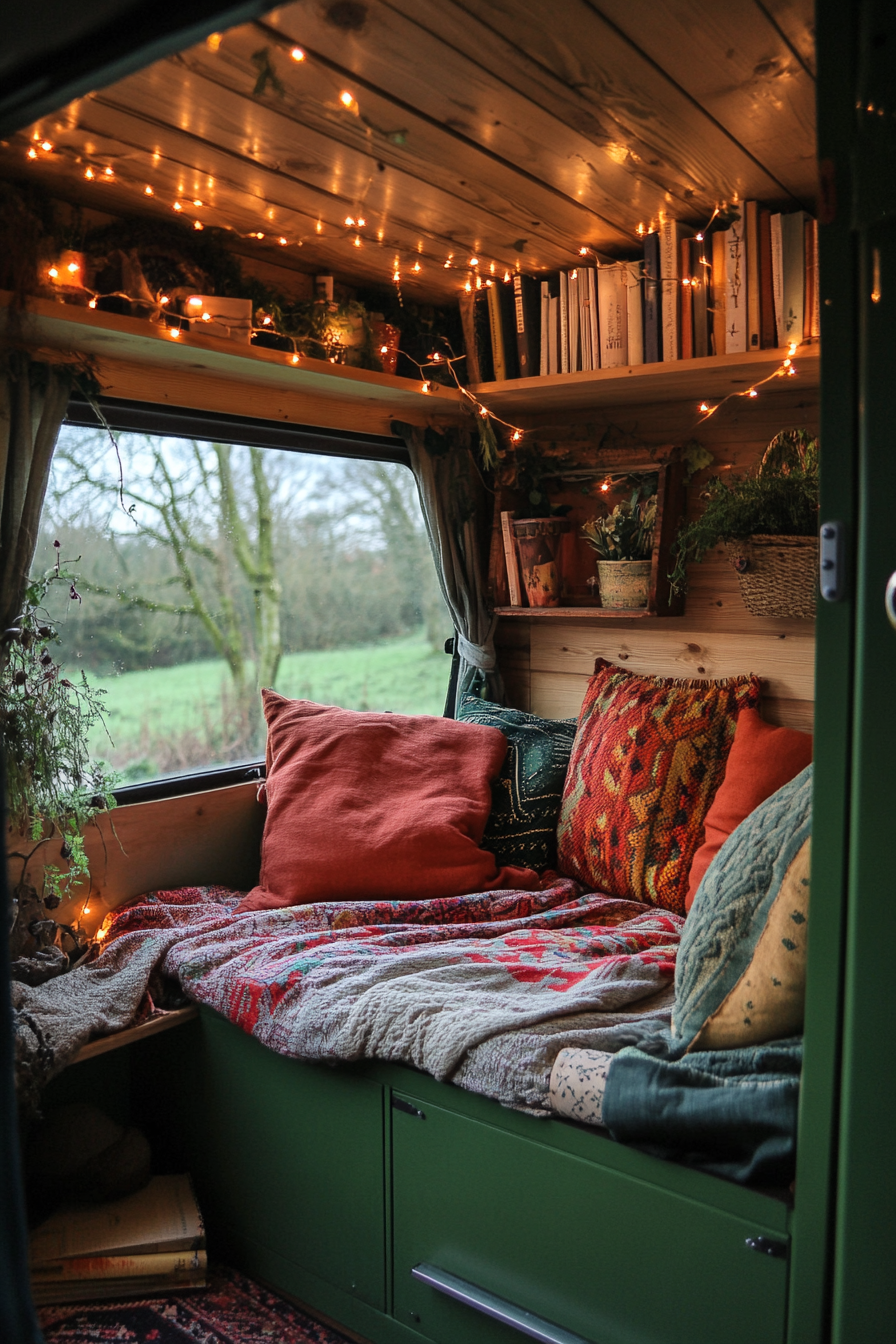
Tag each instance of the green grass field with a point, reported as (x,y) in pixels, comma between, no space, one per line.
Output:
(142,708)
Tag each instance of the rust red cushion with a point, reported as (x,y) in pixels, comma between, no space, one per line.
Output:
(649,754)
(385,806)
(761,761)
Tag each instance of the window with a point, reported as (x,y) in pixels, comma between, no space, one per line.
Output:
(206,568)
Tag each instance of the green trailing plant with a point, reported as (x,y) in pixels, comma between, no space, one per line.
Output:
(627,532)
(779,499)
(54,787)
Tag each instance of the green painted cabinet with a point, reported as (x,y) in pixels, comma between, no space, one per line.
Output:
(612,1258)
(287,1158)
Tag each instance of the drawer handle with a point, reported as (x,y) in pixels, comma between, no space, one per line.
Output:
(536,1327)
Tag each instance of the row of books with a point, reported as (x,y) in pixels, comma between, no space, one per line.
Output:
(751,286)
(149,1242)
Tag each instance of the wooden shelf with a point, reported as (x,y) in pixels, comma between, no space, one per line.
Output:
(711,379)
(578,613)
(132,354)
(131,1034)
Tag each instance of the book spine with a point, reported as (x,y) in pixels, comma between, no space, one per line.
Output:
(494,318)
(575,354)
(587,356)
(593,318)
(767,328)
(794,269)
(545,328)
(119,1266)
(719,306)
(778,278)
(91,1290)
(508,328)
(564,322)
(466,303)
(612,305)
(700,279)
(753,263)
(513,572)
(635,315)
(653,341)
(670,237)
(811,327)
(735,291)
(686,301)
(527,309)
(554,346)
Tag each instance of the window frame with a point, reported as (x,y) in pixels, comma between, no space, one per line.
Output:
(140,417)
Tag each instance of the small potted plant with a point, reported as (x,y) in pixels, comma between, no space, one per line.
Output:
(768,522)
(623,540)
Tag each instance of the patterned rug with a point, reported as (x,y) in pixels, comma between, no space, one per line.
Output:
(231,1310)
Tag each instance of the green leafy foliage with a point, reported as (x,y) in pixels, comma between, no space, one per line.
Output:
(46,720)
(626,533)
(779,499)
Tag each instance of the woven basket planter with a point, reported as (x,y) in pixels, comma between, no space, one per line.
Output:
(778,575)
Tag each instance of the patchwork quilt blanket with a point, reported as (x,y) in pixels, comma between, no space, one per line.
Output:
(482,990)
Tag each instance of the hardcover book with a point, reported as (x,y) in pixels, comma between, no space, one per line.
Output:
(735,290)
(653,336)
(753,264)
(612,306)
(635,315)
(671,234)
(527,313)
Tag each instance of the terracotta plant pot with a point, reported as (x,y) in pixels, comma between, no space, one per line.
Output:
(538,541)
(386,339)
(624,584)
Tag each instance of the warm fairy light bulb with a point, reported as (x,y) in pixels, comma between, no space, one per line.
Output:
(92,303)
(479,282)
(266,322)
(356,241)
(436,357)
(416,267)
(175,331)
(319,227)
(73,267)
(45,144)
(396,276)
(107,172)
(491,268)
(89,174)
(384,349)
(213,41)
(178,206)
(346,98)
(483,411)
(197,225)
(583,251)
(703,408)
(640,230)
(792,348)
(752,392)
(197,203)
(282,242)
(52,272)
(361,223)
(787,363)
(516,436)
(474,261)
(507,277)
(164,299)
(574,275)
(699,237)
(32,153)
(605,487)
(206,317)
(349,221)
(148,191)
(427,386)
(294,359)
(468,288)
(489,284)
(297,54)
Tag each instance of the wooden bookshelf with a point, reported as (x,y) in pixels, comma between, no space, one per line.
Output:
(708,379)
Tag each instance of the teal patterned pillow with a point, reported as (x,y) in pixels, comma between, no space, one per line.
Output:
(522,827)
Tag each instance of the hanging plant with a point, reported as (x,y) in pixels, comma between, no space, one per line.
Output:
(53,786)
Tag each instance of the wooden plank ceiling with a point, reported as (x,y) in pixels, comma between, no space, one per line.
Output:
(512,131)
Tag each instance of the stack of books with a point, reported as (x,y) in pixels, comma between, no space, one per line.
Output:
(751,286)
(150,1242)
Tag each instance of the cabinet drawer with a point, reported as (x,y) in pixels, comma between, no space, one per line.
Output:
(605,1256)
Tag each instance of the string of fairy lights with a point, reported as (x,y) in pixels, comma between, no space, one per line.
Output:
(479,273)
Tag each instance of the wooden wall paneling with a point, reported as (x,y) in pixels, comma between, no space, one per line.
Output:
(389,131)
(512,649)
(199,839)
(795,20)
(466,74)
(573,64)
(748,85)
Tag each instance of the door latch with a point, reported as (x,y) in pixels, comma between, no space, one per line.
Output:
(399,1104)
(831,562)
(768,1246)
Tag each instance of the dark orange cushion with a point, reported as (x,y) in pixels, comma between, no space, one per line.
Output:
(376,806)
(761,761)
(648,757)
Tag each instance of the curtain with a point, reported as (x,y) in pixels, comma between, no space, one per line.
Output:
(457,512)
(33,400)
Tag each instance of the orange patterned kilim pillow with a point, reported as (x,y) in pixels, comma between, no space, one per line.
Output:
(648,756)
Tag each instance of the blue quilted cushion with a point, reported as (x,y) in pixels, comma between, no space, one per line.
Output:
(522,826)
(721,964)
